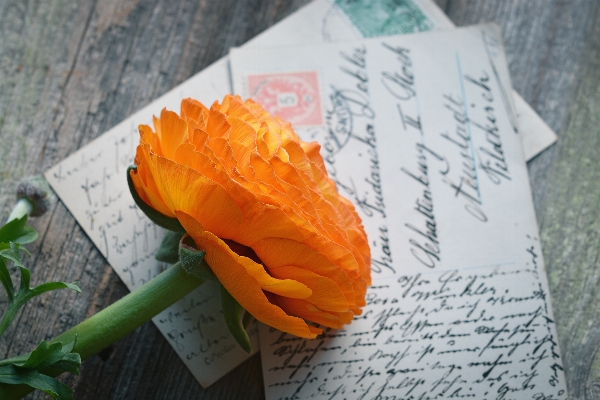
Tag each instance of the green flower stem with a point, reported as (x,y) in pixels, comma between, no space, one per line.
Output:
(117,320)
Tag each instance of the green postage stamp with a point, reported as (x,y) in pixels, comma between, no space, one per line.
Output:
(385,17)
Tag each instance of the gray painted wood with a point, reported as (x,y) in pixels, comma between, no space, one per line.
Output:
(71,69)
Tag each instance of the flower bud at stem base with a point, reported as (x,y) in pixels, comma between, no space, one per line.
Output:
(117,320)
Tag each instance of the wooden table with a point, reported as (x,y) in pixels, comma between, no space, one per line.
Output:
(71,69)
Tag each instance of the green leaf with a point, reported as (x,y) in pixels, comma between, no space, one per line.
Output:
(158,218)
(247,319)
(13,254)
(17,231)
(233,312)
(70,363)
(192,260)
(45,356)
(169,248)
(25,293)
(11,375)
(48,286)
(25,281)
(28,235)
(6,280)
(10,231)
(68,348)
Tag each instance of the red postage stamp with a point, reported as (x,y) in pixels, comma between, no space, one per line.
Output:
(293,96)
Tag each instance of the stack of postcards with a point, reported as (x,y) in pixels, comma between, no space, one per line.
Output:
(424,134)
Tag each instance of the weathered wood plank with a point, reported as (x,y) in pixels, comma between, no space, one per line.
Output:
(69,70)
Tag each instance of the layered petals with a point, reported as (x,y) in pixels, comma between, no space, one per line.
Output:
(258,200)
(239,276)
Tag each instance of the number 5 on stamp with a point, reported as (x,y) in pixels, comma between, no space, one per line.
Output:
(293,96)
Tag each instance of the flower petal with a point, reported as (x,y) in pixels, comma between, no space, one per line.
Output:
(277,252)
(310,312)
(194,110)
(217,125)
(325,292)
(173,130)
(260,219)
(186,190)
(144,182)
(233,274)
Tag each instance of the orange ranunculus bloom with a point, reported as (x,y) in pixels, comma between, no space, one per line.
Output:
(258,200)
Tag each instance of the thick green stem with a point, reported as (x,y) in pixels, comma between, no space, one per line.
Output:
(119,319)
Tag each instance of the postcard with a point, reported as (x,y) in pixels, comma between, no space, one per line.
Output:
(91,182)
(325,21)
(419,131)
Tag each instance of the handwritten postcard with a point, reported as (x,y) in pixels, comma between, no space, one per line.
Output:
(481,333)
(325,21)
(91,182)
(419,131)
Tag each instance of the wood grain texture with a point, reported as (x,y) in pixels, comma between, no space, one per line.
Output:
(70,70)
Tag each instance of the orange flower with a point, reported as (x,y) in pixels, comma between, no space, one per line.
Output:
(258,200)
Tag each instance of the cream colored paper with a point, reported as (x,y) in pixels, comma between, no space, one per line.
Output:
(326,21)
(419,132)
